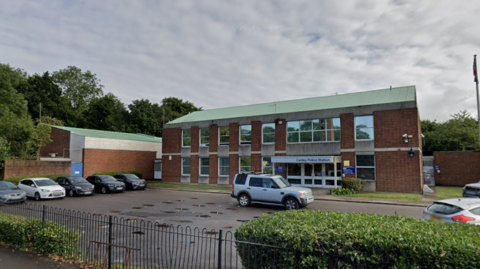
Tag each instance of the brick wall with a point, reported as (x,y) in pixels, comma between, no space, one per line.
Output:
(171,169)
(172,140)
(213,145)
(397,172)
(60,144)
(347,139)
(194,168)
(17,168)
(213,169)
(281,135)
(233,166)
(101,160)
(195,139)
(257,162)
(348,156)
(234,136)
(390,125)
(256,136)
(457,168)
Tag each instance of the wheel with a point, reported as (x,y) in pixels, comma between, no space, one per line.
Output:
(291,203)
(104,190)
(71,193)
(244,200)
(37,196)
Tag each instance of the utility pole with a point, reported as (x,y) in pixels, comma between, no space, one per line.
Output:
(475,75)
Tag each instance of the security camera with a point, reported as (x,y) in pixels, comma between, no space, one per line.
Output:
(404,135)
(410,136)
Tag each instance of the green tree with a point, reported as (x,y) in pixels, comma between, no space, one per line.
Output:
(4,149)
(145,117)
(174,108)
(80,88)
(107,113)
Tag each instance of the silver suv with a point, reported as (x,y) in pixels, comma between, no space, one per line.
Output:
(269,189)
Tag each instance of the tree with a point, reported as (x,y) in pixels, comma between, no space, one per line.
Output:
(80,88)
(145,117)
(107,113)
(175,108)
(4,149)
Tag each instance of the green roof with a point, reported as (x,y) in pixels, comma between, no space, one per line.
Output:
(110,135)
(366,98)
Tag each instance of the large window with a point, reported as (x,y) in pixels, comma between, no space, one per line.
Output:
(204,166)
(268,133)
(366,167)
(224,166)
(224,135)
(364,128)
(245,164)
(204,137)
(186,138)
(321,130)
(185,166)
(245,134)
(267,165)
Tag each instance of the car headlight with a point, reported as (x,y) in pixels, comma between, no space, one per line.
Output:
(111,185)
(78,188)
(44,190)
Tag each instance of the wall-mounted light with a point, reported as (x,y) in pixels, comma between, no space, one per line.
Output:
(407,138)
(279,121)
(170,158)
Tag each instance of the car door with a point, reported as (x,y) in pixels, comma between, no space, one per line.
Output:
(255,188)
(62,182)
(271,192)
(26,185)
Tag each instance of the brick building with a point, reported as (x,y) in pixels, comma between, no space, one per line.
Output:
(93,151)
(314,142)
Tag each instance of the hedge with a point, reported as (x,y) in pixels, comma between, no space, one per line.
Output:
(319,239)
(15,180)
(353,183)
(137,173)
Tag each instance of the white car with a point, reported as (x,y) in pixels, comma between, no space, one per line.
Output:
(41,188)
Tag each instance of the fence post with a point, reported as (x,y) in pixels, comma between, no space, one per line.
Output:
(220,232)
(44,210)
(109,248)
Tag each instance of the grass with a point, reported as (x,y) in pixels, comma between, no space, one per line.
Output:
(448,192)
(188,186)
(383,195)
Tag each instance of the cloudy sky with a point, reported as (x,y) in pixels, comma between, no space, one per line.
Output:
(226,53)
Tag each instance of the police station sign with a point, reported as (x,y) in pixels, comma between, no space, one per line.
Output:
(302,159)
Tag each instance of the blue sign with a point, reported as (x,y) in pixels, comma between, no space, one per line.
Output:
(280,169)
(436,167)
(349,170)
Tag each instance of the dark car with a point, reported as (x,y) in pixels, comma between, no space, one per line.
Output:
(11,194)
(472,190)
(75,186)
(132,181)
(106,184)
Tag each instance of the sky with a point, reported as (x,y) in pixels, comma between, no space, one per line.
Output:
(228,53)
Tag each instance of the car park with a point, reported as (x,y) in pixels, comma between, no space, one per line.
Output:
(472,190)
(41,188)
(269,189)
(462,210)
(104,184)
(132,182)
(76,186)
(11,194)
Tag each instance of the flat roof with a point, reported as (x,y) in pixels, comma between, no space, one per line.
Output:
(110,135)
(365,98)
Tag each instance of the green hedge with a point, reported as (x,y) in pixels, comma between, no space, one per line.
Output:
(25,233)
(137,173)
(313,236)
(353,183)
(15,180)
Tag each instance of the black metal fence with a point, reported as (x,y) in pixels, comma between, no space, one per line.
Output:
(116,242)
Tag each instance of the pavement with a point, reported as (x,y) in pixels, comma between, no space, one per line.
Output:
(14,259)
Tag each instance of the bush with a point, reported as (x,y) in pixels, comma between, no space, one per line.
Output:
(15,180)
(137,173)
(318,239)
(353,183)
(339,191)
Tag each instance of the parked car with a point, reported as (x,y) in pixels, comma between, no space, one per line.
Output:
(131,181)
(464,210)
(41,188)
(269,189)
(472,190)
(76,186)
(11,194)
(104,184)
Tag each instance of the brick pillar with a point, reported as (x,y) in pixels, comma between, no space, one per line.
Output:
(194,168)
(234,136)
(213,145)
(213,169)
(195,139)
(233,166)
(256,162)
(256,136)
(281,135)
(347,140)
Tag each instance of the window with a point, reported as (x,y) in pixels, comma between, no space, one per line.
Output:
(224,166)
(224,135)
(256,182)
(267,165)
(204,136)
(245,164)
(185,166)
(366,167)
(186,138)
(204,166)
(364,128)
(245,134)
(305,131)
(268,133)
(158,167)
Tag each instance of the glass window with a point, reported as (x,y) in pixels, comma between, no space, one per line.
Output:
(158,167)
(268,133)
(245,164)
(224,165)
(365,167)
(245,134)
(313,130)
(256,182)
(267,165)
(364,128)
(224,135)
(294,169)
(186,138)
(204,136)
(204,166)
(185,166)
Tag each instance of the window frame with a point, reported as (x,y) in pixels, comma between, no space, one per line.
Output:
(189,165)
(240,164)
(220,135)
(201,136)
(201,165)
(368,127)
(317,127)
(263,133)
(189,137)
(241,135)
(220,166)
(366,167)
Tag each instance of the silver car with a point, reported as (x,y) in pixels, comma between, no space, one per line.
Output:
(472,190)
(462,210)
(11,194)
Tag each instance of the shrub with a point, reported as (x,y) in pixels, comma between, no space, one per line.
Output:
(137,173)
(319,239)
(339,191)
(15,180)
(353,183)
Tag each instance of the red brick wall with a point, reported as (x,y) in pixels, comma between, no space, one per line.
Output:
(347,140)
(195,139)
(213,169)
(397,172)
(390,125)
(101,160)
(256,136)
(194,168)
(257,162)
(233,166)
(281,135)
(61,141)
(457,168)
(213,146)
(172,141)
(234,136)
(348,156)
(171,169)
(16,168)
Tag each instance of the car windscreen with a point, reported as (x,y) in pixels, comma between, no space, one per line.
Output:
(281,182)
(442,208)
(131,177)
(45,182)
(77,180)
(5,185)
(107,179)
